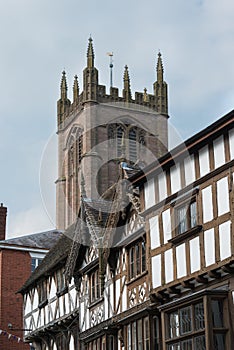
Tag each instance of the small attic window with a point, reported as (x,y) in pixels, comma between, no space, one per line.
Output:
(35,262)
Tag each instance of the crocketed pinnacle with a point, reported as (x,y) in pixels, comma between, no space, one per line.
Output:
(75,89)
(159,68)
(90,54)
(127,88)
(63,86)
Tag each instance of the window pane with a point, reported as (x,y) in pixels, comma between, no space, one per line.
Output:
(156,333)
(138,260)
(134,336)
(185,320)
(131,262)
(146,334)
(186,344)
(143,264)
(217,313)
(219,342)
(129,342)
(199,316)
(174,325)
(182,220)
(139,335)
(193,214)
(200,343)
(33,264)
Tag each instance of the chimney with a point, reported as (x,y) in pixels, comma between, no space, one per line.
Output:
(3,214)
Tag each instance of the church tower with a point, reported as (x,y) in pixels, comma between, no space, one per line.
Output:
(97,130)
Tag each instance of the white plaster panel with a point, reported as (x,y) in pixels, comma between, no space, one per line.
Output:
(225,240)
(219,152)
(53,289)
(124,296)
(195,258)
(166,217)
(36,317)
(73,297)
(175,178)
(209,244)
(162,186)
(231,143)
(154,232)
(156,271)
(28,306)
(72,343)
(168,266)
(61,308)
(106,302)
(117,291)
(82,315)
(149,189)
(111,301)
(207,204)
(223,196)
(67,303)
(47,316)
(204,161)
(35,299)
(181,261)
(189,170)
(53,307)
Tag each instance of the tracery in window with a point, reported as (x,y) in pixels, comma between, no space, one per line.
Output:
(132,145)
(128,138)
(120,135)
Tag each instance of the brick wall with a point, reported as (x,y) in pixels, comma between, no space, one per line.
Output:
(15,269)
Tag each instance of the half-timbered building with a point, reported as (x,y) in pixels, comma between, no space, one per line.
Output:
(149,263)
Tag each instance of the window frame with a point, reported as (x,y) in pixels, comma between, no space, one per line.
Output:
(95,287)
(136,259)
(204,334)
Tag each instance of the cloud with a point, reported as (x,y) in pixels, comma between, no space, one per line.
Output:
(39,38)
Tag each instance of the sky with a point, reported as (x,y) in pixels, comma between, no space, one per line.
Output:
(40,38)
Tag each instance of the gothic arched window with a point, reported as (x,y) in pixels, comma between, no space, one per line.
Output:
(120,135)
(132,145)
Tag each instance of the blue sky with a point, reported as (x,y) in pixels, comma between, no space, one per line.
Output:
(39,38)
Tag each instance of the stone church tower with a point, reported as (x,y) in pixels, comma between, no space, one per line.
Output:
(98,130)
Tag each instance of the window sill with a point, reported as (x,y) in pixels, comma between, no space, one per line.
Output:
(137,278)
(187,234)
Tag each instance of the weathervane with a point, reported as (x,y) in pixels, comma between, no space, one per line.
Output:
(110,54)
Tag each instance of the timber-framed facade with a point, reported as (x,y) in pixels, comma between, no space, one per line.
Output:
(150,263)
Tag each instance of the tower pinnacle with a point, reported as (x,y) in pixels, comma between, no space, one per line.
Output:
(63,86)
(90,54)
(76,89)
(127,89)
(159,68)
(160,88)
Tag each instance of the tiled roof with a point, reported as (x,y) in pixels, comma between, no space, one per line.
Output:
(42,240)
(57,254)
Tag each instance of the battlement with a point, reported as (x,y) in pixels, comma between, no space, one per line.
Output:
(94,93)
